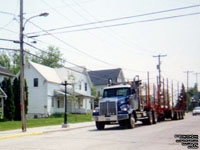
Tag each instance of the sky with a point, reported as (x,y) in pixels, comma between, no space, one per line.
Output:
(130,46)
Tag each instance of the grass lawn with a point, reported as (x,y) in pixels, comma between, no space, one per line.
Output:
(53,120)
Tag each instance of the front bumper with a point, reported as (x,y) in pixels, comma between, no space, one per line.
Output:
(195,113)
(112,118)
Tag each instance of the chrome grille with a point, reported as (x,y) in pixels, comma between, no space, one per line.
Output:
(107,108)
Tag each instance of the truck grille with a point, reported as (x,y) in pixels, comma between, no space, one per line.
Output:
(107,108)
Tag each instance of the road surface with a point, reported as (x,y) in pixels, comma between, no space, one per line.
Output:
(152,137)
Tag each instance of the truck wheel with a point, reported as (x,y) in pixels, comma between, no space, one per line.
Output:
(183,114)
(179,115)
(148,121)
(122,123)
(175,115)
(100,125)
(130,123)
(150,118)
(155,117)
(171,114)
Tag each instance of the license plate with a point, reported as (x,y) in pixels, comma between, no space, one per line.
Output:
(107,119)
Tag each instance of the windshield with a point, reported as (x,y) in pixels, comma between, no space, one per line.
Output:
(197,108)
(116,92)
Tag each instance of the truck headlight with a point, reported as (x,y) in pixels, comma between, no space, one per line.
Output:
(123,108)
(96,110)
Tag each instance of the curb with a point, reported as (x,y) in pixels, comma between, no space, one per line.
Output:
(19,135)
(67,129)
(42,132)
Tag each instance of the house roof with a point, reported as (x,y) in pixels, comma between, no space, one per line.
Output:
(6,72)
(100,77)
(58,75)
(48,73)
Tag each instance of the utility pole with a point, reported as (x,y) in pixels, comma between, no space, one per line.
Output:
(158,67)
(159,70)
(187,99)
(65,114)
(197,73)
(23,119)
(188,78)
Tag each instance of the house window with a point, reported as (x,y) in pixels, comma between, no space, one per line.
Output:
(52,104)
(85,86)
(58,104)
(79,85)
(35,82)
(99,93)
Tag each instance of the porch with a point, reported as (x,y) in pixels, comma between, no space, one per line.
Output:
(3,96)
(76,103)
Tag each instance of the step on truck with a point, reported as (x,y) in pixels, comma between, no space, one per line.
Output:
(124,104)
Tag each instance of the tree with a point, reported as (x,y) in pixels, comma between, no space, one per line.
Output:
(10,62)
(5,60)
(16,63)
(191,92)
(51,58)
(9,102)
(96,98)
(16,90)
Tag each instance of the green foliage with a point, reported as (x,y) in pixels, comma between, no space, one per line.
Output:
(56,119)
(96,99)
(5,60)
(51,58)
(9,108)
(12,61)
(16,63)
(16,90)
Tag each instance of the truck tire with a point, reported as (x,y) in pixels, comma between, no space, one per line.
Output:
(175,115)
(122,123)
(100,125)
(183,114)
(130,122)
(155,117)
(171,114)
(179,115)
(148,121)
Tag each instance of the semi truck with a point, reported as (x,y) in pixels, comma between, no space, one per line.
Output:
(123,104)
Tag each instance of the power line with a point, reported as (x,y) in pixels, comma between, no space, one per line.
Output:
(71,46)
(114,35)
(7,13)
(120,24)
(121,18)
(10,49)
(60,58)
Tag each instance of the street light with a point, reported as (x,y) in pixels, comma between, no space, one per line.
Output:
(45,14)
(22,27)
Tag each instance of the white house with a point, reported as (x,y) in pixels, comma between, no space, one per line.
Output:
(46,94)
(100,78)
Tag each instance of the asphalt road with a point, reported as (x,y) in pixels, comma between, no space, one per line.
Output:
(153,137)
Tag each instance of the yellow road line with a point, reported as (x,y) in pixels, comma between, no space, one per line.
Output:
(19,135)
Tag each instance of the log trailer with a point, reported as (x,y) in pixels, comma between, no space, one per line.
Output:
(124,104)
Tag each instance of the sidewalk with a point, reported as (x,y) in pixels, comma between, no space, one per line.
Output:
(42,130)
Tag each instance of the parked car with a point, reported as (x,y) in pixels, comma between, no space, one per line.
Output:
(196,111)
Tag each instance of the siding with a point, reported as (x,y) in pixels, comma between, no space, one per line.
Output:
(37,95)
